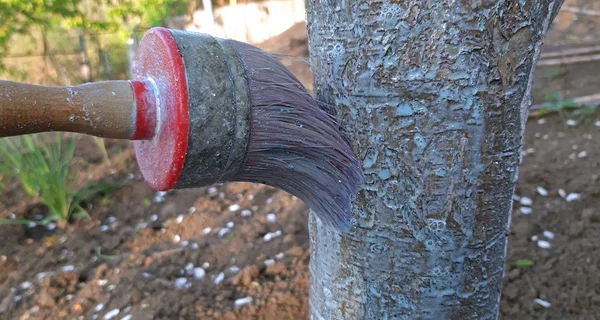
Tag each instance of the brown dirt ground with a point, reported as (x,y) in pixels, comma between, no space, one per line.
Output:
(138,256)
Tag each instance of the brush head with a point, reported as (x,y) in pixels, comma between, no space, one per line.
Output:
(295,145)
(228,111)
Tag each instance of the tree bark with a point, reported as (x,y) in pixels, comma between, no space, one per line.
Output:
(434,96)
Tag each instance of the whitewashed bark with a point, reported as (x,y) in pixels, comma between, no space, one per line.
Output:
(433,95)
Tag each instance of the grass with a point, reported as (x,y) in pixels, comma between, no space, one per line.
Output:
(556,72)
(103,256)
(555,102)
(43,168)
(102,147)
(524,263)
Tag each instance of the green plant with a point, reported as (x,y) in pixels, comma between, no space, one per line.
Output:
(556,72)
(555,102)
(103,256)
(102,147)
(149,12)
(146,203)
(523,263)
(29,18)
(42,165)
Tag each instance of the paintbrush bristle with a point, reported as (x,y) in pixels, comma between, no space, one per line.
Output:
(294,144)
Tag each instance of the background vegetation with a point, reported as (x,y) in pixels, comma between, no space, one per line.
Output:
(62,42)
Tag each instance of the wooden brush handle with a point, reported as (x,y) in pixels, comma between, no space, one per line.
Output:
(111,109)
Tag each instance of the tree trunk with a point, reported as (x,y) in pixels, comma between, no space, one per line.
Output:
(208,13)
(132,46)
(84,62)
(434,96)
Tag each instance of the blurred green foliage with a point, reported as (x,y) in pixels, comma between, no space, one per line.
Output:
(43,168)
(149,13)
(36,27)
(31,17)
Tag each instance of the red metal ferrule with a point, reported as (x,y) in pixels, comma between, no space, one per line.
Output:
(145,110)
(163,146)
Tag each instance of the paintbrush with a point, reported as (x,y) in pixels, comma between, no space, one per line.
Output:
(203,110)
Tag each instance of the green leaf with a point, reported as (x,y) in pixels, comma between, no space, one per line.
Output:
(522,263)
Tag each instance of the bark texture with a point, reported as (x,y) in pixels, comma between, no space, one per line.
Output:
(434,95)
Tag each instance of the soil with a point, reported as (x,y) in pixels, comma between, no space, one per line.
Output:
(139,257)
